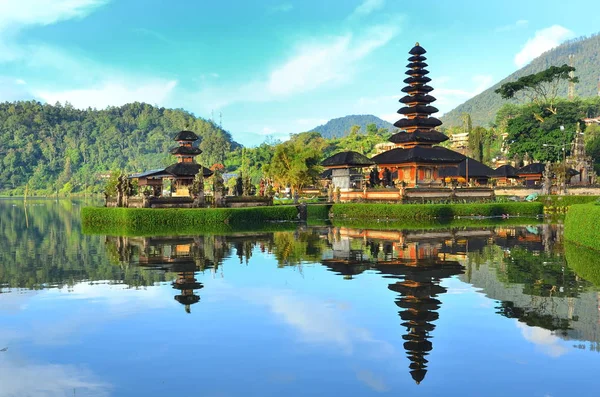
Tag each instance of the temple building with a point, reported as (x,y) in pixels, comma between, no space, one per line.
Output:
(506,175)
(347,169)
(415,157)
(185,169)
(181,174)
(581,162)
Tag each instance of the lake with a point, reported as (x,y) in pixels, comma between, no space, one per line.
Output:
(319,311)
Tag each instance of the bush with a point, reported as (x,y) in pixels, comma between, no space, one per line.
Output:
(318,211)
(432,211)
(582,225)
(565,201)
(141,221)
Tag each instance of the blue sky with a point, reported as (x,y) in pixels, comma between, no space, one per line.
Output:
(271,67)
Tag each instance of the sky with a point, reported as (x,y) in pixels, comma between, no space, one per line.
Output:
(268,68)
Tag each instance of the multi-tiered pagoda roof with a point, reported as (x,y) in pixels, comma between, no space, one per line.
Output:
(418,125)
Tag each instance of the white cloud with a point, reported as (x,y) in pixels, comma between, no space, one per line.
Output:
(19,378)
(20,82)
(545,340)
(367,7)
(544,40)
(112,93)
(16,14)
(521,23)
(315,63)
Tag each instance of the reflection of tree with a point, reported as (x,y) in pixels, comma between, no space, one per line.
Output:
(293,248)
(533,318)
(541,274)
(49,250)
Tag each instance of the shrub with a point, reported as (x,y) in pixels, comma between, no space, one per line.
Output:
(582,225)
(318,211)
(432,211)
(147,220)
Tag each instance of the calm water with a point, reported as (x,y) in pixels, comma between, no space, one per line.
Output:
(316,311)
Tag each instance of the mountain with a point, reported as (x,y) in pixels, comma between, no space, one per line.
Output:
(586,52)
(59,148)
(339,127)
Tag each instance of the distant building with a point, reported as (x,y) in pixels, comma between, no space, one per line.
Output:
(460,142)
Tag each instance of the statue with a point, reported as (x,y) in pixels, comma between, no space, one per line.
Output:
(261,190)
(239,186)
(547,183)
(330,192)
(246,186)
(218,185)
(120,189)
(197,190)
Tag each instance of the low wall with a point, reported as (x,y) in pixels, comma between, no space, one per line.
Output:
(416,195)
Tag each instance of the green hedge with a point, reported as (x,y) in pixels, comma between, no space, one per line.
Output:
(143,221)
(584,261)
(318,211)
(582,225)
(566,201)
(399,212)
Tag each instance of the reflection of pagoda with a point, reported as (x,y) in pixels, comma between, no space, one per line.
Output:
(186,282)
(418,293)
(419,260)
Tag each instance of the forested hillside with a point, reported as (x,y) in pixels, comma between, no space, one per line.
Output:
(337,128)
(59,148)
(586,52)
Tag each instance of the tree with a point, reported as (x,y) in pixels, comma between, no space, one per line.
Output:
(467,123)
(476,142)
(296,162)
(540,88)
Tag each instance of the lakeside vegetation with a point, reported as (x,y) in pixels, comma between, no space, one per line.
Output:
(400,212)
(582,225)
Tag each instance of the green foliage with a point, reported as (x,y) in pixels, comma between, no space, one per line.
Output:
(340,127)
(318,211)
(396,212)
(50,145)
(146,221)
(483,107)
(296,163)
(540,88)
(528,134)
(566,201)
(584,261)
(582,226)
(476,143)
(592,148)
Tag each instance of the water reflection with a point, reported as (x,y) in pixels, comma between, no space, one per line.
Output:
(524,270)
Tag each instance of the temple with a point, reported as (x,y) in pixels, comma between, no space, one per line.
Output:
(415,157)
(186,168)
(579,161)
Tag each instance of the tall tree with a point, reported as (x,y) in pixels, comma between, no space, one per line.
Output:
(540,88)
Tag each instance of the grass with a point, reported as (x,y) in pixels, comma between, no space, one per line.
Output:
(582,225)
(411,212)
